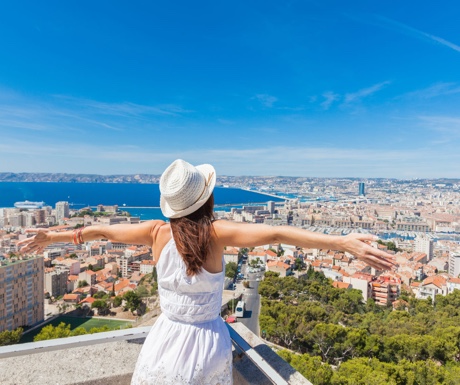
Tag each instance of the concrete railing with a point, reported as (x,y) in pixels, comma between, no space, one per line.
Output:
(109,358)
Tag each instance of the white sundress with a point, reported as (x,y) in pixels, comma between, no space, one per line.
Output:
(189,344)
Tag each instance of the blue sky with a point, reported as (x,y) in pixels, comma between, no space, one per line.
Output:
(308,88)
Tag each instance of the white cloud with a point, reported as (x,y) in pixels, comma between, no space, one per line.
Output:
(447,126)
(436,90)
(364,92)
(266,100)
(57,113)
(419,34)
(330,97)
(269,160)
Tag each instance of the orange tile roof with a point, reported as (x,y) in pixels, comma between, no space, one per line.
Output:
(148,262)
(278,264)
(88,300)
(436,280)
(341,285)
(123,283)
(71,297)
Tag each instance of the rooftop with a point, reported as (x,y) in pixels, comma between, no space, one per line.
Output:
(110,357)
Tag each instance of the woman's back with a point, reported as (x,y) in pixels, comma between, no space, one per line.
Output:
(189,343)
(185,298)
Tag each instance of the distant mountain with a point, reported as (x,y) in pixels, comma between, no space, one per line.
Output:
(232,181)
(77,178)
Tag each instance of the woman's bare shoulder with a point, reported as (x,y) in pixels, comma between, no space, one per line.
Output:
(161,237)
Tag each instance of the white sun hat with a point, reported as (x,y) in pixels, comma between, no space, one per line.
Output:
(185,188)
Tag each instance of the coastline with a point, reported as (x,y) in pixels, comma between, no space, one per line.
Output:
(263,193)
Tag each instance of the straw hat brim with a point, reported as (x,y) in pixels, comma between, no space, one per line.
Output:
(210,175)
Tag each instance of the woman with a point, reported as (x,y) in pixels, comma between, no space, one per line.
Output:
(189,343)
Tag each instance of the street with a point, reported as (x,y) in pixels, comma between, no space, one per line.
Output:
(252,299)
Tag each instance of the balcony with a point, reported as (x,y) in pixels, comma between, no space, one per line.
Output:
(109,358)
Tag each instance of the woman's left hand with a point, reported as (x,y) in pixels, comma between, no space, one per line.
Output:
(358,245)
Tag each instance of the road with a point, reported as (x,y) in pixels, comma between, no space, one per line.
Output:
(252,299)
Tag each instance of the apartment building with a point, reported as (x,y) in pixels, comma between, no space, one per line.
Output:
(424,245)
(56,281)
(62,211)
(385,290)
(454,264)
(21,292)
(412,226)
(147,266)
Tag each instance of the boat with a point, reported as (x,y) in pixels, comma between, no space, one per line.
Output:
(29,205)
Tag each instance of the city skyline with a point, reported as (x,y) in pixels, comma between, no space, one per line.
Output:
(298,89)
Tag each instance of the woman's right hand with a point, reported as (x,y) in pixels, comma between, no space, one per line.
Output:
(37,243)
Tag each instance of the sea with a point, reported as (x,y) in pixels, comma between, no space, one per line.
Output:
(140,200)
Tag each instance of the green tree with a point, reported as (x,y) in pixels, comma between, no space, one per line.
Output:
(82,283)
(133,300)
(310,367)
(101,329)
(100,295)
(255,262)
(117,301)
(230,269)
(101,305)
(298,264)
(271,274)
(50,332)
(142,291)
(154,288)
(79,331)
(10,337)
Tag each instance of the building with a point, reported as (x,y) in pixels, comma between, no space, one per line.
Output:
(40,216)
(412,226)
(147,266)
(56,281)
(454,265)
(21,292)
(271,207)
(123,262)
(424,245)
(231,254)
(17,220)
(279,267)
(361,281)
(385,290)
(432,286)
(62,211)
(361,189)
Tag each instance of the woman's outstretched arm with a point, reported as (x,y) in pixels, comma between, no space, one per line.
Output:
(249,235)
(141,234)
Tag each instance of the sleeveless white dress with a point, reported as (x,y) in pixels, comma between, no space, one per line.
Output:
(189,344)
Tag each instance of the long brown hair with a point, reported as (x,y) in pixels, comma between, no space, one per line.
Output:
(192,235)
